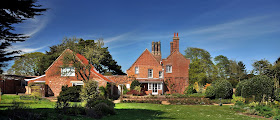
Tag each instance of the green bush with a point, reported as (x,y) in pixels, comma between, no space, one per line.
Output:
(103,109)
(276,117)
(190,90)
(93,102)
(219,89)
(89,90)
(134,84)
(257,86)
(210,92)
(237,99)
(71,93)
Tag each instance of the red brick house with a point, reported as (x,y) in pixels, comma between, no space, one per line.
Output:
(157,75)
(57,76)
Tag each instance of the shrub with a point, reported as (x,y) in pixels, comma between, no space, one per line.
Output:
(257,86)
(134,83)
(104,109)
(223,89)
(276,117)
(219,89)
(92,103)
(36,92)
(237,99)
(210,92)
(89,90)
(71,93)
(138,88)
(190,90)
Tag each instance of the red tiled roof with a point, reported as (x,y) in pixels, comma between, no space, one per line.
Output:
(85,62)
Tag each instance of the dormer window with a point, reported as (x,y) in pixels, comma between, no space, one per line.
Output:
(136,70)
(168,69)
(68,71)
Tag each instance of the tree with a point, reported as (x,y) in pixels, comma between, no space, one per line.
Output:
(27,64)
(89,91)
(94,51)
(14,12)
(202,69)
(261,66)
(223,65)
(274,72)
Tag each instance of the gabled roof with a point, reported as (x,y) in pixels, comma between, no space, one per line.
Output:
(173,53)
(85,62)
(146,50)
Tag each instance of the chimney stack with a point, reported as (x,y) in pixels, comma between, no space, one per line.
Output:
(156,50)
(174,45)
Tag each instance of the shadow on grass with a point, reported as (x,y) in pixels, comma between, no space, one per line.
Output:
(139,114)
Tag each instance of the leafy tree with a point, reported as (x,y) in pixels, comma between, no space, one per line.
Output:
(202,69)
(94,51)
(223,65)
(274,72)
(27,64)
(14,12)
(261,66)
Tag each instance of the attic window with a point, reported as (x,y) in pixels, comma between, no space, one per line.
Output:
(68,71)
(136,70)
(150,73)
(168,69)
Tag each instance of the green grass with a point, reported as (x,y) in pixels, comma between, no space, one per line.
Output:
(137,110)
(192,112)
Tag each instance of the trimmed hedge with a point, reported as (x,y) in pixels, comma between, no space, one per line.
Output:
(219,89)
(257,86)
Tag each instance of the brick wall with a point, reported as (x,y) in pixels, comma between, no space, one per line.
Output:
(180,72)
(144,62)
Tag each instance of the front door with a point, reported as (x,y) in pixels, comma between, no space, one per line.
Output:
(155,89)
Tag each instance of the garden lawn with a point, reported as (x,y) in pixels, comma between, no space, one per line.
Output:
(131,111)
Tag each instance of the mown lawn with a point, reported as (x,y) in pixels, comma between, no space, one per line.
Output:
(131,111)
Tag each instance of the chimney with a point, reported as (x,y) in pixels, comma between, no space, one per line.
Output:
(174,45)
(156,51)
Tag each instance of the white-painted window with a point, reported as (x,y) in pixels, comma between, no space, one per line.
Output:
(128,86)
(68,71)
(136,70)
(159,86)
(168,69)
(160,75)
(149,86)
(150,73)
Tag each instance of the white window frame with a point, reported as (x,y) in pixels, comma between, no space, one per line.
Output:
(136,70)
(150,74)
(149,86)
(68,71)
(159,86)
(168,68)
(160,74)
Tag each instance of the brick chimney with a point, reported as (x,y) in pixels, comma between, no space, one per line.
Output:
(156,50)
(174,45)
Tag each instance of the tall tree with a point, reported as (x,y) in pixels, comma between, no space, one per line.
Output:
(27,64)
(223,65)
(14,12)
(202,69)
(261,66)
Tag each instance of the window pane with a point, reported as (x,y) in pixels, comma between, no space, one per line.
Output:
(150,73)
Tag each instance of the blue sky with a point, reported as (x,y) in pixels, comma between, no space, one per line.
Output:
(242,30)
